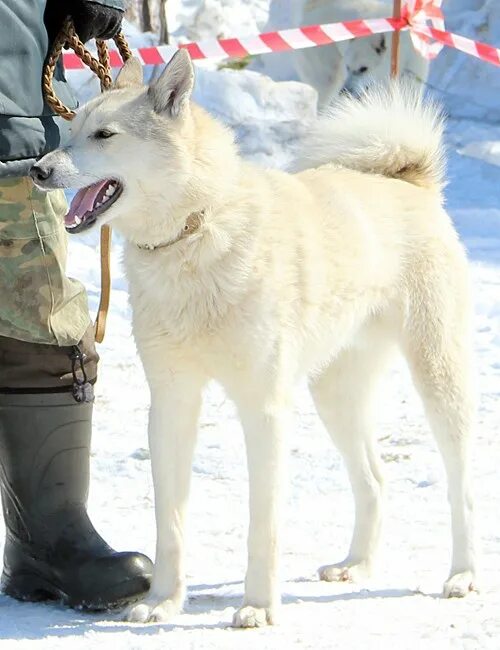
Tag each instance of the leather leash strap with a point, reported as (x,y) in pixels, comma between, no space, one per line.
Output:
(100,67)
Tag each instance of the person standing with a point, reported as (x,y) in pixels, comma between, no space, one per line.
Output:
(48,361)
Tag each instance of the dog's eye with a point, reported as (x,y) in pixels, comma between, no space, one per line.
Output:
(362,69)
(381,48)
(103,134)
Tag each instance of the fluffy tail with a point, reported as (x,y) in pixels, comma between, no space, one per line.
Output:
(389,130)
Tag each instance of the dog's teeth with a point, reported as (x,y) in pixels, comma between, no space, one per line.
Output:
(78,221)
(110,191)
(105,198)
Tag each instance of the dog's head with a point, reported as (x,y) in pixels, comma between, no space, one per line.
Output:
(367,60)
(126,145)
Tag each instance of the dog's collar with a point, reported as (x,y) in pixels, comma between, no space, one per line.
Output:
(192,225)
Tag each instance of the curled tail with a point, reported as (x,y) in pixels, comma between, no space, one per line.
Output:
(390,130)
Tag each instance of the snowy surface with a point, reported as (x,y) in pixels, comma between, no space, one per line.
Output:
(195,19)
(468,87)
(401,604)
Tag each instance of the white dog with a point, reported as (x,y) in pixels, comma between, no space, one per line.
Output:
(256,278)
(354,63)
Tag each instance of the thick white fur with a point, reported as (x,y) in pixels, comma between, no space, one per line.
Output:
(322,273)
(390,130)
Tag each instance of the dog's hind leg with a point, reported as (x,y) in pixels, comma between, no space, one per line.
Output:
(437,345)
(344,395)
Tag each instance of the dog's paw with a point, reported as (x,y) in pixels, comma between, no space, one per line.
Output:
(343,572)
(152,610)
(459,585)
(249,616)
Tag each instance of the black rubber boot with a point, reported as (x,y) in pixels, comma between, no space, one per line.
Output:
(52,550)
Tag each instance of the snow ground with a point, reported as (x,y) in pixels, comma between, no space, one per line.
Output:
(400,605)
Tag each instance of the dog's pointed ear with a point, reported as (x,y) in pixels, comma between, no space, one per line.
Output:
(171,92)
(130,75)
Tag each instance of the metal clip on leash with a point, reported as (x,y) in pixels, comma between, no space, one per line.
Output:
(101,68)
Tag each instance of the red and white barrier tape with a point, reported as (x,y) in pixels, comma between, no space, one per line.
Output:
(428,40)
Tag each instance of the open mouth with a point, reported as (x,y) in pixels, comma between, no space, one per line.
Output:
(90,202)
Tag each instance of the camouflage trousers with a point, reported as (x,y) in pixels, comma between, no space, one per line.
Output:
(38,302)
(43,313)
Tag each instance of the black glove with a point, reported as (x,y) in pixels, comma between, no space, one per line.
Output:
(91,19)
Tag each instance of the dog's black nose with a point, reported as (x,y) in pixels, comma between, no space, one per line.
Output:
(40,174)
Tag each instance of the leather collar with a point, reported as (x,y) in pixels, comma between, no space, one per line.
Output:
(192,225)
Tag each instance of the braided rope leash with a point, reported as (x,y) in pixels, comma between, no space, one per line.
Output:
(102,69)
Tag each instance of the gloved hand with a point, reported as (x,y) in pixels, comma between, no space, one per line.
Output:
(91,19)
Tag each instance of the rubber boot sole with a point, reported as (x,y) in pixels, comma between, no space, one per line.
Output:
(33,587)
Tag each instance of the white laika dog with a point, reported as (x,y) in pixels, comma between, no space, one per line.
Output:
(354,63)
(256,278)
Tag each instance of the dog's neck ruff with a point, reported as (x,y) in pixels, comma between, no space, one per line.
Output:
(192,225)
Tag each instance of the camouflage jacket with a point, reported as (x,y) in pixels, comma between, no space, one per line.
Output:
(38,302)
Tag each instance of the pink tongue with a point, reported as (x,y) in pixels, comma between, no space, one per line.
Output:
(83,202)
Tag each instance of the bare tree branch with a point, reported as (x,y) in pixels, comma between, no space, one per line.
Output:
(163,22)
(131,12)
(146,24)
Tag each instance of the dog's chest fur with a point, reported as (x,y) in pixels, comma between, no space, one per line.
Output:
(294,299)
(172,297)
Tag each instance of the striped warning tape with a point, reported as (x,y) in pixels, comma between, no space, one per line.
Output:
(416,14)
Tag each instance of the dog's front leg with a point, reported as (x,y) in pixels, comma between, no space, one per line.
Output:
(264,435)
(172,433)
